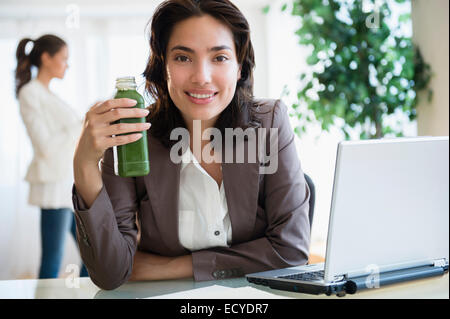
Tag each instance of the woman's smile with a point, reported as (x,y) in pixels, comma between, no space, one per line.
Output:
(204,98)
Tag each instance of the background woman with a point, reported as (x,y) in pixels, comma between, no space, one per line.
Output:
(53,128)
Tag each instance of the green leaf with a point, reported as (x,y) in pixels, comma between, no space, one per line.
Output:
(340,108)
(266,9)
(405,17)
(312,59)
(387,130)
(283,8)
(363,135)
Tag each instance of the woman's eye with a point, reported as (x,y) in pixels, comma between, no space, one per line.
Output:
(181,58)
(222,58)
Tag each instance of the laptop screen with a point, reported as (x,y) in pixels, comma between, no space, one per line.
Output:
(390,204)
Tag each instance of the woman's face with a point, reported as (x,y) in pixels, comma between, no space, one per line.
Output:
(202,68)
(56,65)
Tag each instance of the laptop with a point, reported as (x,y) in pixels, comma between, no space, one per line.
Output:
(389,219)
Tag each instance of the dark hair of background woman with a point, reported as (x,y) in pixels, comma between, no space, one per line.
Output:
(47,43)
(164,115)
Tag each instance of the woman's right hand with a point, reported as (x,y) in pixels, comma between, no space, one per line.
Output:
(97,136)
(98,128)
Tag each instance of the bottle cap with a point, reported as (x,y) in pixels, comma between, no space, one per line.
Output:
(126,83)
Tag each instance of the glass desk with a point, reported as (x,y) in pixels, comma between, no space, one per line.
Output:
(436,287)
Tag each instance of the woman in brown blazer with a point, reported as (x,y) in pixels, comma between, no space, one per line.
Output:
(198,219)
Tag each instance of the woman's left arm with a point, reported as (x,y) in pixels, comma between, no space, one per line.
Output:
(148,266)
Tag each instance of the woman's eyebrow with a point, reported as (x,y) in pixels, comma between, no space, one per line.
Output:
(216,48)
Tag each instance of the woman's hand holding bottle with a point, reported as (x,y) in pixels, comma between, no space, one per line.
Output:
(100,133)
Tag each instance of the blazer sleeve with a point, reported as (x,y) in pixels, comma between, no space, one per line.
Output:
(46,144)
(107,231)
(287,237)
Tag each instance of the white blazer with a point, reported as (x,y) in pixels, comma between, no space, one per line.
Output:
(54,128)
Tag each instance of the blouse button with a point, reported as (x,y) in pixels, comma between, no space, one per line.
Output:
(217,233)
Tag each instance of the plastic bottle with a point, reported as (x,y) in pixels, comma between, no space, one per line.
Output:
(131,159)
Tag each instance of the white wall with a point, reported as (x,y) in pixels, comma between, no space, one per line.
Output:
(431,34)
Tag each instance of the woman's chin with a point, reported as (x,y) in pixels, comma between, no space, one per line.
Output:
(204,116)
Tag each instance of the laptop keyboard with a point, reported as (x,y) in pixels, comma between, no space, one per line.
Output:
(306,276)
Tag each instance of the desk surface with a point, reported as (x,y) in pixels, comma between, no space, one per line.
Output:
(436,287)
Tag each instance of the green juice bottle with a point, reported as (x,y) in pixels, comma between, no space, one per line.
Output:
(131,159)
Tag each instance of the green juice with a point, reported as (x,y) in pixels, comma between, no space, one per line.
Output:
(131,160)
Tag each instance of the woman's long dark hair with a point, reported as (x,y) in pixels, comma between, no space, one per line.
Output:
(47,43)
(164,115)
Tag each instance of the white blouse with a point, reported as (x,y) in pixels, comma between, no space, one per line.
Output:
(53,128)
(203,221)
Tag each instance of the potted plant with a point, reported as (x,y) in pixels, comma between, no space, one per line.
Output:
(369,70)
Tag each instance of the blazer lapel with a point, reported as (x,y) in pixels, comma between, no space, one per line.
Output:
(241,182)
(162,185)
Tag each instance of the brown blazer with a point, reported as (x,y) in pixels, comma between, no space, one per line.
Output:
(268,213)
